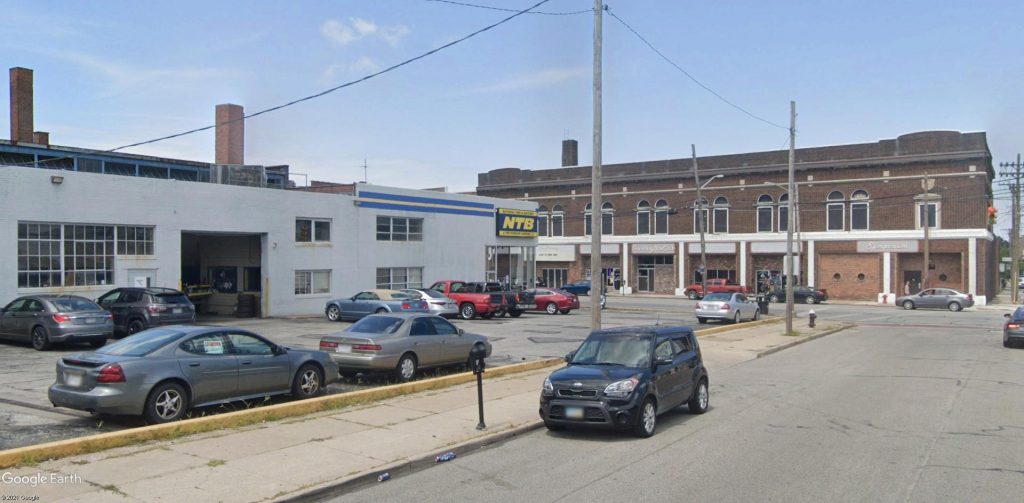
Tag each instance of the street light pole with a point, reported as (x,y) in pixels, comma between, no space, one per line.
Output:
(701,221)
(596,215)
(790,277)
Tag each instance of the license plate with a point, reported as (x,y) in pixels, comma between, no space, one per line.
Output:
(92,321)
(343,348)
(177,310)
(73,379)
(574,412)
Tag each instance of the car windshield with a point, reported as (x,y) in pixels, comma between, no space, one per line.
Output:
(624,350)
(141,344)
(71,304)
(377,325)
(718,297)
(172,298)
(434,294)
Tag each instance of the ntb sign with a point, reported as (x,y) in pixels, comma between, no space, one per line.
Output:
(516,223)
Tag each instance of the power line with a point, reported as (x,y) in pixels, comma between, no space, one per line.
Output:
(502,9)
(689,76)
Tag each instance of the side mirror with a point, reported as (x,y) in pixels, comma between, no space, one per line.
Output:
(569,356)
(280,350)
(664,360)
(1007,315)
(462,332)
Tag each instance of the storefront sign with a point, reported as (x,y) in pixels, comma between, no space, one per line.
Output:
(516,223)
(653,248)
(606,249)
(556,253)
(766,247)
(898,246)
(727,248)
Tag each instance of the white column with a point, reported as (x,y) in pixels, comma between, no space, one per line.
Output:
(887,272)
(972,267)
(743,263)
(625,270)
(681,260)
(810,263)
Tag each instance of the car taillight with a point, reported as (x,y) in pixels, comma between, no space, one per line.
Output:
(156,308)
(1013,325)
(111,372)
(970,296)
(725,307)
(437,302)
(61,318)
(406,305)
(366,347)
(328,344)
(110,316)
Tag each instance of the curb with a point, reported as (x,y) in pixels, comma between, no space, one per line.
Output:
(104,441)
(802,340)
(408,466)
(737,326)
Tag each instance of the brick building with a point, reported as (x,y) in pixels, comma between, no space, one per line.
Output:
(859,218)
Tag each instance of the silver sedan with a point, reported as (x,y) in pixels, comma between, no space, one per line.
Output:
(438,303)
(400,343)
(936,298)
(734,307)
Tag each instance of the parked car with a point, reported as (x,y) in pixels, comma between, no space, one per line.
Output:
(936,298)
(437,303)
(483,299)
(162,373)
(696,290)
(46,319)
(373,301)
(581,287)
(1013,328)
(136,309)
(624,378)
(554,301)
(805,294)
(400,343)
(734,307)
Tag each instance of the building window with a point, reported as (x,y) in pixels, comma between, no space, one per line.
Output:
(934,215)
(587,224)
(88,255)
(765,210)
(729,275)
(607,219)
(309,230)
(134,240)
(555,278)
(542,222)
(397,278)
(700,216)
(721,214)
(859,211)
(835,211)
(643,218)
(654,260)
(312,282)
(399,229)
(783,212)
(39,255)
(557,218)
(661,211)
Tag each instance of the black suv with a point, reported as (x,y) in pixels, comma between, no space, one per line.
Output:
(624,377)
(136,309)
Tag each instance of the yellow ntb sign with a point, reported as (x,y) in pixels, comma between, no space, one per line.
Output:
(517,223)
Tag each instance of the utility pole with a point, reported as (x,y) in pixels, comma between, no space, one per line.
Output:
(1016,172)
(365,180)
(596,215)
(701,222)
(927,238)
(790,218)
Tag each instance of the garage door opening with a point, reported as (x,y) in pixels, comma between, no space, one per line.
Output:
(222,273)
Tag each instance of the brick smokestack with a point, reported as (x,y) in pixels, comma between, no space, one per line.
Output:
(230,137)
(41,138)
(21,105)
(570,153)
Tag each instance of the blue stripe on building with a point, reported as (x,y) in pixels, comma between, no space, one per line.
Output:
(427,200)
(425,209)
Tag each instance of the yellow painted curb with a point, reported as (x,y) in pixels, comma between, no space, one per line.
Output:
(101,442)
(739,326)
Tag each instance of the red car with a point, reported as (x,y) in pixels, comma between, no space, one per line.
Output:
(555,301)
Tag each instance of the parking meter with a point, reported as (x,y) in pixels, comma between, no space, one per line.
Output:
(476,357)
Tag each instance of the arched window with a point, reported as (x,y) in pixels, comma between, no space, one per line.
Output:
(643,218)
(661,211)
(721,215)
(542,221)
(765,210)
(783,212)
(835,211)
(557,220)
(607,219)
(859,210)
(587,229)
(700,216)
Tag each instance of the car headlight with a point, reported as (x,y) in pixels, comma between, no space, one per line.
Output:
(548,389)
(621,389)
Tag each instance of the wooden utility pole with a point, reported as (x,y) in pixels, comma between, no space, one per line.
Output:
(596,280)
(790,217)
(1014,171)
(701,223)
(927,223)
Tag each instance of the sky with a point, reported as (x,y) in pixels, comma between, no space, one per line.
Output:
(113,73)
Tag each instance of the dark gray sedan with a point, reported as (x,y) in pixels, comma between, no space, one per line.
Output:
(936,298)
(161,373)
(400,343)
(46,319)
(1013,328)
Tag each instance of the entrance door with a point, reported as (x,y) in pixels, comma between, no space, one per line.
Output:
(645,279)
(914,278)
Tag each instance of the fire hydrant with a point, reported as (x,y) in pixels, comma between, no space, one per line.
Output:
(810,318)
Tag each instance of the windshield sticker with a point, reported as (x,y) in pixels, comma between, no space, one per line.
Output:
(213,347)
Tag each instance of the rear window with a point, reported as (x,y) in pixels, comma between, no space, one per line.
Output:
(1018,315)
(172,298)
(73,304)
(142,343)
(718,297)
(377,325)
(434,294)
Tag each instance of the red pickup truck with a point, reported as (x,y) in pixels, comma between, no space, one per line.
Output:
(694,291)
(471,299)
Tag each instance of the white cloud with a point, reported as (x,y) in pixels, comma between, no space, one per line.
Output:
(364,65)
(344,33)
(537,80)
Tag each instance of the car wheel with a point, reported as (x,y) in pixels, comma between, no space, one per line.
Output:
(736,318)
(565,311)
(691,294)
(167,402)
(467,311)
(334,313)
(381,311)
(551,308)
(98,343)
(646,419)
(702,320)
(553,427)
(955,306)
(135,326)
(908,305)
(699,401)
(40,341)
(773,298)
(515,313)
(308,382)
(757,314)
(809,299)
(406,368)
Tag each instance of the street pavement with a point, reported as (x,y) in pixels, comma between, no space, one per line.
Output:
(909,406)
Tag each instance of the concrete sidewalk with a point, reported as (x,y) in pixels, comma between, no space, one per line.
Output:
(330,451)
